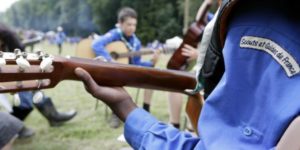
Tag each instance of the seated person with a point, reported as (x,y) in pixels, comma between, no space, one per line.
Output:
(127,21)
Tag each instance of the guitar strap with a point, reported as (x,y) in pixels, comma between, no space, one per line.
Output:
(213,65)
(128,45)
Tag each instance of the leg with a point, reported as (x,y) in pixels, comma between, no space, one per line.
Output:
(47,109)
(24,108)
(175,104)
(59,49)
(9,129)
(147,99)
(23,100)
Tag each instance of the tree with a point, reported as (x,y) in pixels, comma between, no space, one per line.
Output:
(157,19)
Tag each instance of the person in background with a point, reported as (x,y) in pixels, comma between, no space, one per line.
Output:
(25,100)
(125,32)
(175,100)
(60,37)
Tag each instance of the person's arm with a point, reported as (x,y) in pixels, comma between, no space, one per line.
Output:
(138,61)
(99,44)
(142,130)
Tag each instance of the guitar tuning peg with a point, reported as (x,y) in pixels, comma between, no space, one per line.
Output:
(46,55)
(22,63)
(46,63)
(40,54)
(24,54)
(19,84)
(17,51)
(2,60)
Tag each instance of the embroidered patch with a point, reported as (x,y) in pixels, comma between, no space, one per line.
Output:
(288,63)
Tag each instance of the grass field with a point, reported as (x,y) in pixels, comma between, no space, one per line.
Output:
(89,129)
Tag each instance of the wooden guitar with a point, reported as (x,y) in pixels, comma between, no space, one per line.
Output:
(192,37)
(118,50)
(33,71)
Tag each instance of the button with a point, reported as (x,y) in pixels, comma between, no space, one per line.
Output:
(247,131)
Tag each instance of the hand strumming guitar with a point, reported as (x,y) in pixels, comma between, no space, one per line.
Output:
(155,57)
(115,97)
(190,52)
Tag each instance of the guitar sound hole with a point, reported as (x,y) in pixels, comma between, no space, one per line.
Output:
(114,55)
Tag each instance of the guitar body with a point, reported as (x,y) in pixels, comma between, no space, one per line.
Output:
(116,48)
(84,50)
(192,38)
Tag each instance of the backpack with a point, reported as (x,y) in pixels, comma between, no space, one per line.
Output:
(213,67)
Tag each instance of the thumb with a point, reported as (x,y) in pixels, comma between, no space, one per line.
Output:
(88,81)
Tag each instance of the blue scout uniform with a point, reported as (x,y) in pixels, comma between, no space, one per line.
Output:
(132,42)
(256,98)
(60,38)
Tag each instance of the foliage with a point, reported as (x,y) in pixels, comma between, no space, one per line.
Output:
(157,19)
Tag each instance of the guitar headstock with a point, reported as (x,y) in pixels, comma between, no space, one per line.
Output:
(21,71)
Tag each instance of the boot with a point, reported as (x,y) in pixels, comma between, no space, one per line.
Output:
(48,110)
(25,133)
(21,113)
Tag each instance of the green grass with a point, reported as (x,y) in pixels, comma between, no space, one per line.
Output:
(89,129)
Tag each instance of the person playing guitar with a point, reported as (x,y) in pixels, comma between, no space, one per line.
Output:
(125,32)
(190,53)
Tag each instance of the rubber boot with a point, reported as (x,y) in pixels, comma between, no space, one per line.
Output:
(48,110)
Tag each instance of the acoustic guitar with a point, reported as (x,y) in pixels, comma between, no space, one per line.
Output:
(34,71)
(118,50)
(192,38)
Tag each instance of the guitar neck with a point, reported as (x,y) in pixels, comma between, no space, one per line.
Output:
(192,38)
(39,71)
(136,53)
(202,13)
(113,74)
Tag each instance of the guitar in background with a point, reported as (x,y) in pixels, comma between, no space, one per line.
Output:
(118,50)
(192,38)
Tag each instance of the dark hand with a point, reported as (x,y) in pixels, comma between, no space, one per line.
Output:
(115,97)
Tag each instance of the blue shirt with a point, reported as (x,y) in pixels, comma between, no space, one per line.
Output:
(116,35)
(60,37)
(210,16)
(256,99)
